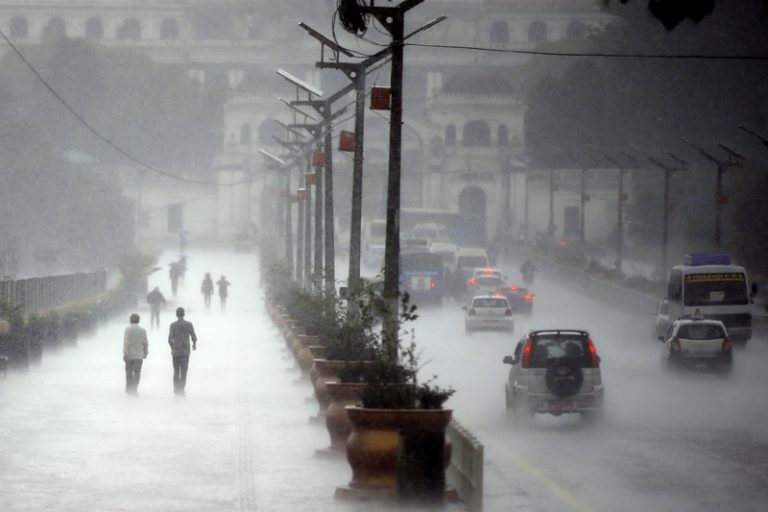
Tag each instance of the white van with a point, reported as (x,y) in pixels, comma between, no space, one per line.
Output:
(468,259)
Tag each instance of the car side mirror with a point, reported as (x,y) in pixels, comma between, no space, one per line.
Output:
(509,360)
(661,339)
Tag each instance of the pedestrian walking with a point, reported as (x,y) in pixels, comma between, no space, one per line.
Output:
(135,350)
(223,285)
(175,274)
(156,301)
(207,289)
(178,338)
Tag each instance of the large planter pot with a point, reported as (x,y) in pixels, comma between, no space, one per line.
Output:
(380,446)
(336,421)
(318,352)
(372,450)
(423,456)
(303,354)
(327,371)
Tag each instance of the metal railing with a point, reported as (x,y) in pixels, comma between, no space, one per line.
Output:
(41,293)
(465,472)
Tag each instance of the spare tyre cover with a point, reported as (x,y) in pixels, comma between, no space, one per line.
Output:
(564,377)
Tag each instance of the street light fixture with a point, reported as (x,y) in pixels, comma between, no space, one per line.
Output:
(300,84)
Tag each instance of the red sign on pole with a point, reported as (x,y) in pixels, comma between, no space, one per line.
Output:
(310,179)
(381,98)
(318,159)
(346,141)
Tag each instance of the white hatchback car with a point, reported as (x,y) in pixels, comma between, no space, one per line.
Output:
(488,312)
(697,344)
(555,372)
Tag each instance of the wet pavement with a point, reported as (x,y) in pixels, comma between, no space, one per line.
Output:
(241,439)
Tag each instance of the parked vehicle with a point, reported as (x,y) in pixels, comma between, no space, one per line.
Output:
(718,289)
(554,372)
(697,344)
(488,312)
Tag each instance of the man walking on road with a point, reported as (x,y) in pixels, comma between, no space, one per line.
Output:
(223,285)
(207,289)
(156,300)
(135,350)
(178,338)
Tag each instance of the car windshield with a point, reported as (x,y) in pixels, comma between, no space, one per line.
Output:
(547,348)
(489,303)
(493,281)
(471,261)
(700,332)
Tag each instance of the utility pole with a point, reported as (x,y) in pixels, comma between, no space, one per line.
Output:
(734,160)
(551,227)
(356,72)
(318,178)
(582,214)
(669,170)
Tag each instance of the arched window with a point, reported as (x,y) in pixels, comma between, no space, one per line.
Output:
(576,30)
(169,29)
(537,32)
(450,135)
(19,27)
(499,32)
(245,135)
(476,133)
(130,30)
(502,136)
(94,28)
(55,29)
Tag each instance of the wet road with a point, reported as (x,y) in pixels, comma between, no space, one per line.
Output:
(683,443)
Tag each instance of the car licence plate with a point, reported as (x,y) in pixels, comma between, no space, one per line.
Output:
(560,405)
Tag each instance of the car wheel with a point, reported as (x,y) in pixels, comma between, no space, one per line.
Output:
(508,399)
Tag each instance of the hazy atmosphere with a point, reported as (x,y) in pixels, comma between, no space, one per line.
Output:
(539,222)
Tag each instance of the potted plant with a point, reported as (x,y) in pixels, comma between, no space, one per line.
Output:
(397,444)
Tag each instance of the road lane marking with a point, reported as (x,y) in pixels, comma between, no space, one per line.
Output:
(558,490)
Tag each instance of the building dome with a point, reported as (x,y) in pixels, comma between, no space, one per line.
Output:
(478,81)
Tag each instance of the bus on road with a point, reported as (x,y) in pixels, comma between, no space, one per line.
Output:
(422,276)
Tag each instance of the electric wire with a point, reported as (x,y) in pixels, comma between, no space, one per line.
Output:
(87,125)
(711,56)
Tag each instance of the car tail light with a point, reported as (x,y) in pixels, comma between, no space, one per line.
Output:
(593,354)
(528,297)
(563,243)
(472,312)
(675,344)
(726,344)
(513,288)
(472,282)
(487,271)
(508,312)
(498,294)
(434,284)
(526,362)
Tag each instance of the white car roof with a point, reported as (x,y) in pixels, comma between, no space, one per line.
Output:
(685,321)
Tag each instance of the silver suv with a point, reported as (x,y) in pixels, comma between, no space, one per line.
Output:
(555,372)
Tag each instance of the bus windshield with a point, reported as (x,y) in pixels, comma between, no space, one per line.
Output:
(721,289)
(421,262)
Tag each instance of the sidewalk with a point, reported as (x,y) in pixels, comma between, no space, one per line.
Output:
(72,440)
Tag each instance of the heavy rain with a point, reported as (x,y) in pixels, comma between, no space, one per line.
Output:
(383,255)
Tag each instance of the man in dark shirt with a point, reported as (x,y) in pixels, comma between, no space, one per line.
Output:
(178,338)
